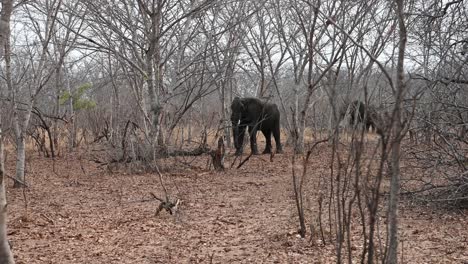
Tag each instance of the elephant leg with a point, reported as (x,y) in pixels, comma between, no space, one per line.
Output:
(239,140)
(235,136)
(253,140)
(267,134)
(277,136)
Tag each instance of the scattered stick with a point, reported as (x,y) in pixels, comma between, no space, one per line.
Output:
(244,161)
(48,219)
(234,161)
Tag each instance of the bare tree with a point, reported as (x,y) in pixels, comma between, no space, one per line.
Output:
(24,97)
(6,255)
(163,56)
(437,49)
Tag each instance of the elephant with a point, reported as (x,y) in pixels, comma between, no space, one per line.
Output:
(361,113)
(256,115)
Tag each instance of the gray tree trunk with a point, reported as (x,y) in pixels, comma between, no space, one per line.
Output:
(72,136)
(20,158)
(392,256)
(20,131)
(298,130)
(6,256)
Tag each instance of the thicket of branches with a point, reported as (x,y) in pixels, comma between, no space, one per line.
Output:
(145,77)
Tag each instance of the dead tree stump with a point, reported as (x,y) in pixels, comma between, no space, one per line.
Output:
(217,156)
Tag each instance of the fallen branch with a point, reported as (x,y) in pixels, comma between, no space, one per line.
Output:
(166,204)
(126,159)
(16,180)
(244,161)
(200,150)
(170,207)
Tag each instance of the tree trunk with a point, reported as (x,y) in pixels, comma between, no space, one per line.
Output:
(55,130)
(20,155)
(297,134)
(225,114)
(6,256)
(397,128)
(114,126)
(20,124)
(19,131)
(189,127)
(5,252)
(72,135)
(153,60)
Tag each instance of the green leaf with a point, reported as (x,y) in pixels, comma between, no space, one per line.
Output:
(64,97)
(82,89)
(80,102)
(83,104)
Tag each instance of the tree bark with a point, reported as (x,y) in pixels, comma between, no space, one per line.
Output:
(6,255)
(217,155)
(20,126)
(152,70)
(397,129)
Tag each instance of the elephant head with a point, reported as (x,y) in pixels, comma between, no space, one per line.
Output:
(237,107)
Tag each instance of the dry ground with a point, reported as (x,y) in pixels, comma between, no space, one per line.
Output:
(83,214)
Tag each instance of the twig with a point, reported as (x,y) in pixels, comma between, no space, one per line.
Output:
(234,161)
(244,161)
(47,218)
(156,197)
(318,142)
(162,183)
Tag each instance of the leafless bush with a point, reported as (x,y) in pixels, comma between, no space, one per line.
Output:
(437,171)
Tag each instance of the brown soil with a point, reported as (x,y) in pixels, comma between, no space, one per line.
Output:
(83,214)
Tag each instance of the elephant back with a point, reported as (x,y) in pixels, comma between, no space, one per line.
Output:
(271,111)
